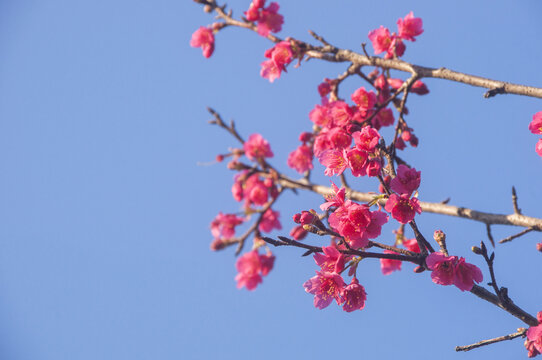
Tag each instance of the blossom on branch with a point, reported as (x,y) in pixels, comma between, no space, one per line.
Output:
(409,27)
(269,20)
(204,38)
(448,270)
(301,159)
(403,208)
(407,180)
(387,266)
(536,125)
(325,286)
(279,56)
(256,147)
(354,296)
(533,343)
(251,266)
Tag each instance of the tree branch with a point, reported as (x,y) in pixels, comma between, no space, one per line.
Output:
(520,333)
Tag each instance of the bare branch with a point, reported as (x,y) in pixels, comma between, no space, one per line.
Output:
(520,333)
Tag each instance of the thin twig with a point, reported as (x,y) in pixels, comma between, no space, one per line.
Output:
(489,235)
(520,333)
(517,210)
(512,237)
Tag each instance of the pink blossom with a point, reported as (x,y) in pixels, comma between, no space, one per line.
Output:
(204,38)
(357,161)
(270,20)
(381,39)
(255,191)
(306,218)
(533,343)
(365,100)
(351,221)
(305,137)
(334,161)
(266,263)
(298,233)
(409,27)
(400,144)
(324,88)
(387,181)
(338,138)
(223,225)
(325,287)
(301,159)
(378,218)
(253,12)
(448,270)
(341,113)
(374,166)
(395,83)
(419,88)
(270,221)
(443,268)
(251,266)
(337,199)
(402,208)
(536,125)
(248,266)
(270,70)
(385,117)
(321,116)
(332,260)
(237,187)
(256,147)
(538,147)
(406,181)
(366,139)
(412,245)
(397,47)
(387,266)
(466,274)
(354,296)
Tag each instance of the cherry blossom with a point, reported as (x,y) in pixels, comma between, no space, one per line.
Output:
(270,221)
(533,343)
(409,27)
(326,287)
(251,266)
(406,181)
(536,125)
(387,266)
(301,159)
(402,208)
(204,38)
(354,296)
(256,147)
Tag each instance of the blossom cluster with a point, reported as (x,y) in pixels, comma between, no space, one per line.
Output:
(251,266)
(392,44)
(536,128)
(533,343)
(402,206)
(356,223)
(267,18)
(451,270)
(328,284)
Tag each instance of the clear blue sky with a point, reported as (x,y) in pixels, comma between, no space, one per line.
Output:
(105,212)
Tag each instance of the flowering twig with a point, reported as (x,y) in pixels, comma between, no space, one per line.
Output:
(334,54)
(284,241)
(520,333)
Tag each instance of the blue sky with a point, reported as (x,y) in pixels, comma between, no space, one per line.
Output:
(107,196)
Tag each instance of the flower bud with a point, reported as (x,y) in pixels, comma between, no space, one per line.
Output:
(207,8)
(539,247)
(476,250)
(440,238)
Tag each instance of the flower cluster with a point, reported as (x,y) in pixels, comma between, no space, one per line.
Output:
(355,222)
(279,56)
(301,158)
(392,44)
(536,128)
(402,206)
(251,266)
(204,38)
(328,284)
(223,228)
(268,19)
(533,343)
(448,270)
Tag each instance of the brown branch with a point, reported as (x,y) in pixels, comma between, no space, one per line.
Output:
(284,241)
(436,208)
(517,210)
(511,308)
(333,54)
(520,333)
(512,237)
